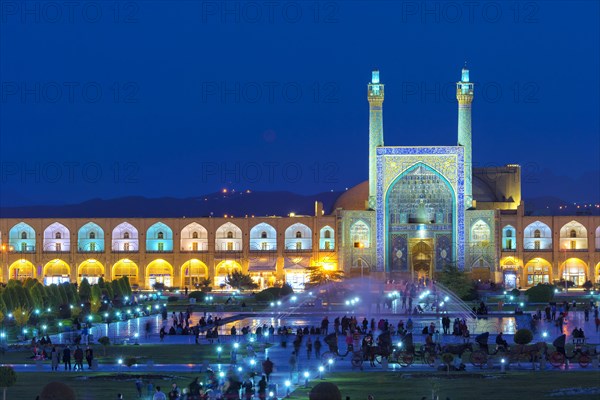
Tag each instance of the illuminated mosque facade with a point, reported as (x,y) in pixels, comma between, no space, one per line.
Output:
(423,208)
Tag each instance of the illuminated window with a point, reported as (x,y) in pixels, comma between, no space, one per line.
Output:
(327,234)
(161,246)
(195,235)
(573,233)
(126,246)
(508,233)
(537,233)
(230,246)
(508,244)
(23,247)
(57,235)
(58,247)
(327,245)
(160,235)
(263,235)
(126,235)
(480,232)
(573,244)
(229,235)
(23,235)
(298,245)
(298,234)
(92,235)
(195,245)
(263,246)
(92,246)
(536,245)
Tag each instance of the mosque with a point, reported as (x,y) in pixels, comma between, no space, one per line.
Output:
(423,208)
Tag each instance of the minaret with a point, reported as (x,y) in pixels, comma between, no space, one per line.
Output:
(375,96)
(464,95)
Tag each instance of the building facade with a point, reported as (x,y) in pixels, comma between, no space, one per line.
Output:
(179,252)
(422,209)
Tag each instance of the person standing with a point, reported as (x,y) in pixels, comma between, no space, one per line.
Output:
(138,386)
(293,362)
(248,389)
(158,395)
(268,367)
(89,356)
(317,348)
(54,358)
(262,388)
(67,357)
(78,355)
(309,347)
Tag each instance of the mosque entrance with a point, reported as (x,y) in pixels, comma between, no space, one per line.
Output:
(421,258)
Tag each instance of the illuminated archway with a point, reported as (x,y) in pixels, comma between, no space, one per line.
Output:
(598,273)
(57,238)
(90,269)
(228,237)
(194,237)
(326,238)
(125,238)
(537,236)
(21,238)
(511,274)
(298,237)
(263,237)
(224,268)
(573,236)
(56,271)
(128,268)
(192,272)
(90,238)
(574,270)
(159,271)
(21,269)
(509,238)
(538,270)
(360,234)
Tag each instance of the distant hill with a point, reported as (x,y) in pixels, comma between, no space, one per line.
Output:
(237,204)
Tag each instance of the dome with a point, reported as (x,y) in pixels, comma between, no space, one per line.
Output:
(354,198)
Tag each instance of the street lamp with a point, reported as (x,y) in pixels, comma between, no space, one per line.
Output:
(306,375)
(219,350)
(321,369)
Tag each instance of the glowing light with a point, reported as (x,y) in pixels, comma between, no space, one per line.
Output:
(545,334)
(330,361)
(306,374)
(252,362)
(321,369)
(375,77)
(120,361)
(236,345)
(503,361)
(279,303)
(287,383)
(219,349)
(222,374)
(294,298)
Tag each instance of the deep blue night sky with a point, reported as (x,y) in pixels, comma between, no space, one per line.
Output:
(156,98)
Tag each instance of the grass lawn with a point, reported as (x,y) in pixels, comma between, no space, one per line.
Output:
(463,386)
(160,354)
(95,386)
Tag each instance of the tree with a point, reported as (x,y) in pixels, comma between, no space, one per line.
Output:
(85,290)
(8,378)
(241,281)
(458,282)
(318,275)
(21,316)
(204,283)
(96,299)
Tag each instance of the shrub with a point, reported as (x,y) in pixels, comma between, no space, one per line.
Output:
(515,292)
(286,290)
(57,391)
(130,361)
(540,293)
(588,285)
(325,391)
(172,299)
(268,294)
(198,295)
(523,336)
